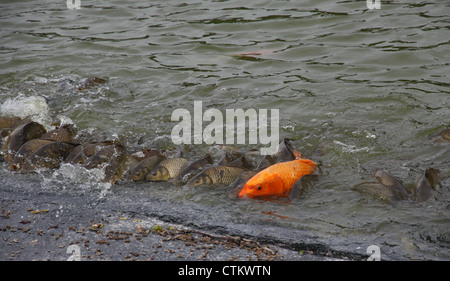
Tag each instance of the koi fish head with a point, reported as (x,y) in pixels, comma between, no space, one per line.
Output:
(260,187)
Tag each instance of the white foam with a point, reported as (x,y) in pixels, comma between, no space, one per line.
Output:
(22,106)
(69,176)
(351,148)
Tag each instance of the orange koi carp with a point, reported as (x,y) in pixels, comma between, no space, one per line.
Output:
(278,179)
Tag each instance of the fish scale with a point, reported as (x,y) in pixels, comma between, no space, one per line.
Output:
(224,174)
(174,166)
(217,175)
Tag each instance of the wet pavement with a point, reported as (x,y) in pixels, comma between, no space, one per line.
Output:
(37,224)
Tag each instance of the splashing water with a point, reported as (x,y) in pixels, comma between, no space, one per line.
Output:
(21,106)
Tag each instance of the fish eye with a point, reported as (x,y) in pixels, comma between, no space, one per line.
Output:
(259,187)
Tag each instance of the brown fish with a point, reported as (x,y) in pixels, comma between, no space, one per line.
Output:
(47,156)
(6,131)
(144,167)
(433,176)
(6,122)
(146,153)
(115,167)
(443,135)
(26,150)
(168,169)
(20,136)
(82,152)
(217,174)
(258,53)
(64,133)
(91,82)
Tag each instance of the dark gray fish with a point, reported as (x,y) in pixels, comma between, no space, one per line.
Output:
(386,189)
(240,162)
(66,84)
(240,182)
(19,136)
(168,169)
(26,150)
(144,167)
(193,168)
(229,155)
(104,155)
(391,182)
(301,186)
(377,190)
(422,189)
(217,175)
(426,185)
(76,156)
(285,153)
(132,160)
(47,156)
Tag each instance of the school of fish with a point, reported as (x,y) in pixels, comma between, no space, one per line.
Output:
(28,146)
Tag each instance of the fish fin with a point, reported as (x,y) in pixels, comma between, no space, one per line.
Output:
(297,154)
(297,189)
(300,186)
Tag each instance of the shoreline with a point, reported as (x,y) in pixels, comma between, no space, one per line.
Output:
(38,225)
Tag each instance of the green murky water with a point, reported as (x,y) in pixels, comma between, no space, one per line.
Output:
(357,90)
